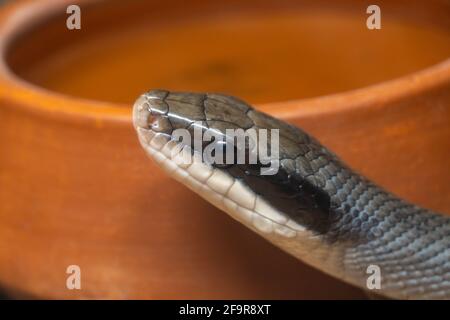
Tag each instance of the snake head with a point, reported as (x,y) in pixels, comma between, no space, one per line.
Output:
(279,192)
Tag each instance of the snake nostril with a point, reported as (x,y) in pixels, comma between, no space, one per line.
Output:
(141,113)
(153,123)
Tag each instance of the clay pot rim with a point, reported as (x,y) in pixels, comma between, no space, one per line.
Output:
(18,17)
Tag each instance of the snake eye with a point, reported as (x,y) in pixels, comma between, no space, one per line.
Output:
(159,123)
(152,122)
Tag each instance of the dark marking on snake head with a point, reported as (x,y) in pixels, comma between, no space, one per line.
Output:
(308,205)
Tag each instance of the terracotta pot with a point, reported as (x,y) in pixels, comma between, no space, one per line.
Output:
(76,188)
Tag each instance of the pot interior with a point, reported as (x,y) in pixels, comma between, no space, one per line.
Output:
(262,51)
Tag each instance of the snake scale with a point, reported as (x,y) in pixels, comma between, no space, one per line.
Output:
(315,207)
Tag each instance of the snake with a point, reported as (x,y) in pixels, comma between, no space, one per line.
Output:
(312,206)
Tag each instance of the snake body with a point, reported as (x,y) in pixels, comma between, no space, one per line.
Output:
(315,207)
